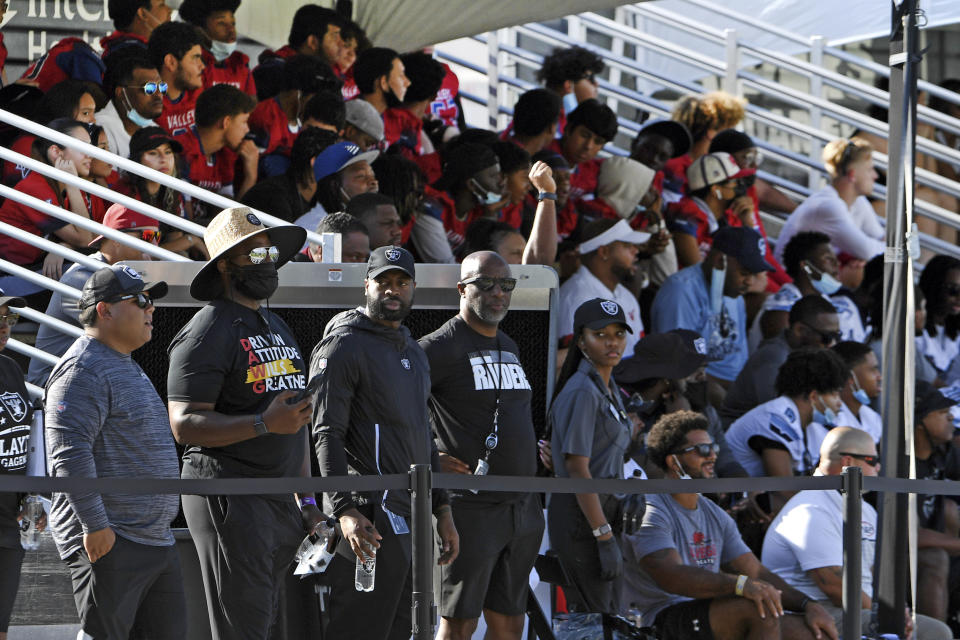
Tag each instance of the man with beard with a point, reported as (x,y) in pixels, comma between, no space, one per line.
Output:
(480,407)
(608,260)
(136,97)
(235,373)
(371,418)
(175,48)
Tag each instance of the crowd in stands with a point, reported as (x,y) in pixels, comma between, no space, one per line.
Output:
(690,345)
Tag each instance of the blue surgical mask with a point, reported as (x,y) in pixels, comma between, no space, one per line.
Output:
(827,417)
(827,284)
(858,393)
(134,116)
(222,50)
(569,102)
(718,278)
(486,197)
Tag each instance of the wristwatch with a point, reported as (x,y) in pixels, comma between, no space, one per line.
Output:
(602,530)
(259,425)
(546,195)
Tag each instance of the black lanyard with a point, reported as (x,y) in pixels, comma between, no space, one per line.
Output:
(597,380)
(492,440)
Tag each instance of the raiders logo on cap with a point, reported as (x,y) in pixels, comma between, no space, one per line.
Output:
(762,246)
(130,271)
(252,219)
(610,307)
(392,254)
(701,346)
(405,363)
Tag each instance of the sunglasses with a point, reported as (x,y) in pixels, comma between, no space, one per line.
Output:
(142,300)
(951,289)
(870,460)
(147,235)
(485,283)
(827,337)
(259,255)
(10,319)
(151,88)
(704,449)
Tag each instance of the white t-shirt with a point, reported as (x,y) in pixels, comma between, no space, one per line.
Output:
(777,420)
(807,534)
(867,420)
(825,212)
(851,325)
(583,286)
(940,350)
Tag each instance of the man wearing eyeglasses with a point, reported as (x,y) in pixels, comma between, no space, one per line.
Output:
(136,97)
(699,580)
(804,544)
(109,251)
(813,323)
(480,410)
(104,419)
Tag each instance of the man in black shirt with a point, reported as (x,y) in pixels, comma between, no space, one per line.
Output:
(371,419)
(233,369)
(480,409)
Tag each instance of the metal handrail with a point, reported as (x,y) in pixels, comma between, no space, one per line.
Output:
(136,168)
(40,280)
(48,246)
(56,323)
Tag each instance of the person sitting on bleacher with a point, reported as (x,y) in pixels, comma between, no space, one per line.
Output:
(590,126)
(687,569)
(223,63)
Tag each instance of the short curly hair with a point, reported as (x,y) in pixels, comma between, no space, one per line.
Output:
(799,248)
(670,432)
(717,110)
(571,64)
(811,369)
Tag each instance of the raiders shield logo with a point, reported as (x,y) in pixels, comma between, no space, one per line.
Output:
(405,363)
(392,254)
(762,246)
(130,271)
(15,405)
(610,307)
(701,346)
(254,220)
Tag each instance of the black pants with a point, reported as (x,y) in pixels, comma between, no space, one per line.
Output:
(245,545)
(385,612)
(572,539)
(132,584)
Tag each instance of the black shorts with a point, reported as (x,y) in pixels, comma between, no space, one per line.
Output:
(498,546)
(10,561)
(685,621)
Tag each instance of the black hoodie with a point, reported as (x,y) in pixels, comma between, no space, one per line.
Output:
(371,413)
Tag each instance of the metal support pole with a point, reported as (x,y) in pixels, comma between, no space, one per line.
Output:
(422,516)
(816,115)
(493,78)
(852,539)
(733,62)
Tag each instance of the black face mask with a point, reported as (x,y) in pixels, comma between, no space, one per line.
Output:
(257,281)
(740,189)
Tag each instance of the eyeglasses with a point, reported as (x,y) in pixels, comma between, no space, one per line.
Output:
(259,255)
(10,319)
(704,449)
(142,300)
(150,88)
(147,235)
(870,460)
(485,283)
(827,337)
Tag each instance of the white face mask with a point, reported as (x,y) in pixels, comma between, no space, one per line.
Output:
(134,116)
(827,284)
(222,50)
(682,473)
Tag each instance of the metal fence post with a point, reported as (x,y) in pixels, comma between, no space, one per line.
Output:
(729,80)
(852,539)
(422,520)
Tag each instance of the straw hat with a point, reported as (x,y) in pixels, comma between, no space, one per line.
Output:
(228,229)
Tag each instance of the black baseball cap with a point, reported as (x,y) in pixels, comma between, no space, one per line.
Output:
(110,283)
(928,399)
(675,355)
(11,301)
(674,131)
(597,314)
(388,257)
(744,244)
(147,138)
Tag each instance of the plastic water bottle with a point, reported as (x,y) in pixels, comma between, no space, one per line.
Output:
(366,570)
(29,534)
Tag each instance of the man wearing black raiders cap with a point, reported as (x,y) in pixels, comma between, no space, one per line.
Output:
(371,418)
(232,391)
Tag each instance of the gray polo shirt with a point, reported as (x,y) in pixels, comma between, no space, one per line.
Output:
(756,382)
(103,419)
(586,421)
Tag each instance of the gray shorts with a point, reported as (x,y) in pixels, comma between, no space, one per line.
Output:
(498,546)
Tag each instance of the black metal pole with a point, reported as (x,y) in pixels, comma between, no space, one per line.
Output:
(421,482)
(891,561)
(852,539)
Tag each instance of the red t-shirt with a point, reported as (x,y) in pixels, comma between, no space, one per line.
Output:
(68,58)
(120,39)
(686,217)
(269,123)
(349,90)
(401,126)
(29,219)
(211,173)
(180,114)
(675,173)
(3,53)
(444,106)
(583,177)
(235,71)
(13,172)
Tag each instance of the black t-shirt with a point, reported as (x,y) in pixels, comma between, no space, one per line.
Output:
(463,373)
(229,356)
(943,464)
(15,415)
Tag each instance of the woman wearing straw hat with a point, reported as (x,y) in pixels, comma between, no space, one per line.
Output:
(235,372)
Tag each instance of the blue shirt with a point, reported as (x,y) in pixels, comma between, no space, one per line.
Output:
(683,302)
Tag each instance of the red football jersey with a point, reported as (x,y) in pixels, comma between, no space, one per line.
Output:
(270,125)
(180,114)
(29,219)
(213,173)
(234,71)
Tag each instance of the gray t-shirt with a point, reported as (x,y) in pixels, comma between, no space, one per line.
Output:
(62,308)
(756,382)
(104,419)
(705,537)
(588,421)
